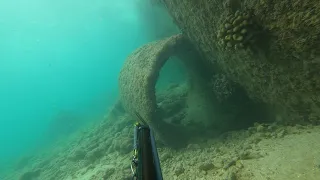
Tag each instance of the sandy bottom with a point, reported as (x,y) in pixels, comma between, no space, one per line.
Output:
(296,156)
(283,153)
(263,152)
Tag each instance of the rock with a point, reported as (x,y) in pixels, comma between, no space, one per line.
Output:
(299,126)
(239,165)
(256,140)
(271,127)
(193,146)
(252,130)
(93,155)
(245,155)
(126,146)
(206,166)
(77,155)
(230,163)
(267,135)
(231,176)
(109,171)
(30,175)
(179,170)
(260,128)
(281,133)
(165,156)
(218,164)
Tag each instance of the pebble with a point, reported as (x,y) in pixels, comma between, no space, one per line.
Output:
(271,127)
(165,156)
(231,176)
(193,146)
(230,163)
(251,130)
(260,128)
(317,164)
(239,165)
(109,171)
(256,140)
(281,134)
(298,126)
(179,170)
(206,166)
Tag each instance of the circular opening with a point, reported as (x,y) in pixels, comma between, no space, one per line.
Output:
(171,91)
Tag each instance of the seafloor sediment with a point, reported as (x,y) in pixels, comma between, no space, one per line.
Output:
(261,151)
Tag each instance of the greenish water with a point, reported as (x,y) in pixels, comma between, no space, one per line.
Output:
(59,64)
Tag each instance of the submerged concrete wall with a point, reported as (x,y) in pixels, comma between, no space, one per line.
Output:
(137,82)
(270,48)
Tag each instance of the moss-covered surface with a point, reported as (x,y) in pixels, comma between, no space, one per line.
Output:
(282,69)
(137,83)
(206,107)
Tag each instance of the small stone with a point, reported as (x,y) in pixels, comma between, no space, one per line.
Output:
(260,128)
(227,26)
(234,37)
(239,38)
(245,22)
(229,17)
(237,20)
(252,130)
(230,163)
(218,164)
(236,47)
(298,126)
(109,171)
(206,166)
(231,176)
(256,140)
(256,124)
(246,146)
(204,173)
(165,156)
(237,13)
(318,164)
(227,37)
(244,155)
(239,165)
(271,127)
(246,16)
(281,134)
(235,29)
(267,135)
(179,170)
(250,155)
(193,146)
(243,31)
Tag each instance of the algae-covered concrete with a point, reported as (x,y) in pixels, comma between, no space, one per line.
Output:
(280,66)
(137,82)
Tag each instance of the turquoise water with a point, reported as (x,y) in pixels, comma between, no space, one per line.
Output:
(64,56)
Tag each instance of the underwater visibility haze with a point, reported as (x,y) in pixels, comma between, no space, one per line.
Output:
(230,88)
(60,57)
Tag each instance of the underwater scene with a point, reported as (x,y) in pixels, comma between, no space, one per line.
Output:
(159,89)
